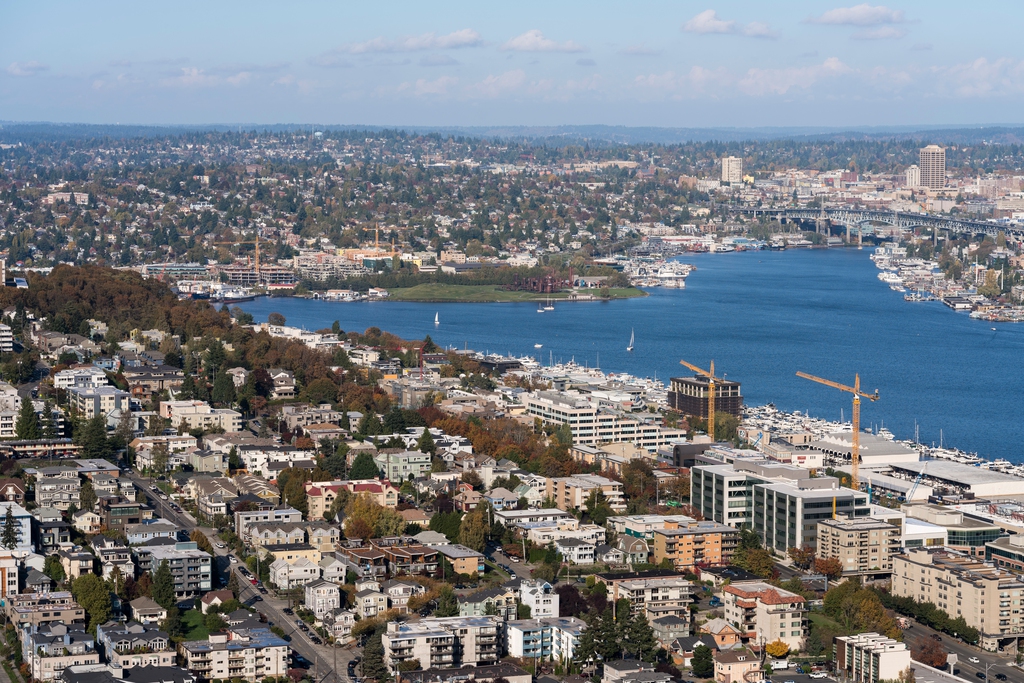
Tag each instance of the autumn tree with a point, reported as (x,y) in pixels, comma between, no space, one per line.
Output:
(473,529)
(364,518)
(777,649)
(802,557)
(929,651)
(830,567)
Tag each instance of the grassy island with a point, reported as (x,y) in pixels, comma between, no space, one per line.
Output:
(494,294)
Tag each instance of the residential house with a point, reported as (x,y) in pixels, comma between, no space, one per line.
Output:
(738,666)
(463,560)
(575,551)
(399,592)
(214,598)
(501,601)
(147,611)
(339,623)
(133,644)
(322,597)
(540,597)
(502,499)
(12,490)
(725,634)
(370,600)
(55,646)
(59,493)
(76,562)
(299,572)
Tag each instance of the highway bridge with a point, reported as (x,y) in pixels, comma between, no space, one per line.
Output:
(857,219)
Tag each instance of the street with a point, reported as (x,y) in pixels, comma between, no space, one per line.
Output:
(326,659)
(997,664)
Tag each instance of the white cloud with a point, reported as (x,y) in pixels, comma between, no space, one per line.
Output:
(534,41)
(758,29)
(984,78)
(494,86)
(708,22)
(439,86)
(437,60)
(880,33)
(759,82)
(191,77)
(466,37)
(26,68)
(860,15)
(693,82)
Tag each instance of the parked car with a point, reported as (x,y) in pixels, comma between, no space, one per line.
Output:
(817,674)
(221,546)
(288,610)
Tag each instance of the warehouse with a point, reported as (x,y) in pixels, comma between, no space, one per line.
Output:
(961,478)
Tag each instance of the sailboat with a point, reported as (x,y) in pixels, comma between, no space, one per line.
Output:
(549,307)
(437,320)
(537,346)
(631,340)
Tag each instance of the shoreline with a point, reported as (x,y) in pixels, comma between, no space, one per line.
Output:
(481,294)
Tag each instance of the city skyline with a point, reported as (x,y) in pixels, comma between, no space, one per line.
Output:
(689,65)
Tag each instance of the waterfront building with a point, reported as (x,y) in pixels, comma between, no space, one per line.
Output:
(965,533)
(959,478)
(987,597)
(689,396)
(865,546)
(870,657)
(932,163)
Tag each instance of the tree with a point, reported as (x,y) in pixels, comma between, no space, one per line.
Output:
(87,495)
(49,424)
(802,557)
(27,426)
(907,676)
(930,652)
(54,569)
(639,638)
(364,467)
(234,462)
(426,444)
(364,518)
(94,439)
(473,530)
(447,523)
(172,624)
(201,541)
(759,561)
(11,533)
(160,456)
(830,567)
(276,319)
(777,649)
(703,662)
(373,666)
(447,604)
(163,586)
(223,389)
(92,594)
(570,602)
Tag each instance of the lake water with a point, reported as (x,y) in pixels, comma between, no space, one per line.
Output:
(761,316)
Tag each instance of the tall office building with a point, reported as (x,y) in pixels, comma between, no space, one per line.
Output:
(732,170)
(932,163)
(914,176)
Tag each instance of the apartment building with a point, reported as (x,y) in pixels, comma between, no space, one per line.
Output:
(550,638)
(320,496)
(58,492)
(54,647)
(965,533)
(190,567)
(83,378)
(865,547)
(245,520)
(404,465)
(322,597)
(763,613)
(571,493)
(199,415)
(781,503)
(89,402)
(656,593)
(463,560)
(543,533)
(249,654)
(987,597)
(24,524)
(870,657)
(131,644)
(32,610)
(593,424)
(695,543)
(444,642)
(540,597)
(644,526)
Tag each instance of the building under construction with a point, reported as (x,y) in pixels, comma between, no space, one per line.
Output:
(689,396)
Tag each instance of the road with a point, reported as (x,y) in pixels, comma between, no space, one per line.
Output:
(997,664)
(329,663)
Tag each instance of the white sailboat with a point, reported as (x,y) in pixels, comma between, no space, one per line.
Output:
(437,320)
(631,340)
(537,346)
(549,307)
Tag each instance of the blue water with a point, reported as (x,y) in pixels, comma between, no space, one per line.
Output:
(761,316)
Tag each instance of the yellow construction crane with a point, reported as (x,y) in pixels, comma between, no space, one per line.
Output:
(857,394)
(234,244)
(710,374)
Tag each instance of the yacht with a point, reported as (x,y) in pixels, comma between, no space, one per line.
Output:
(631,340)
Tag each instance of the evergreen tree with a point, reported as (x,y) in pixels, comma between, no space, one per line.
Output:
(49,426)
(94,439)
(163,586)
(370,425)
(703,662)
(27,426)
(93,595)
(87,496)
(187,392)
(125,429)
(447,603)
(223,389)
(9,537)
(364,467)
(234,462)
(639,638)
(373,667)
(426,442)
(346,422)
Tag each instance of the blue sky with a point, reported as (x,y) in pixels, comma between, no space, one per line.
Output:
(683,64)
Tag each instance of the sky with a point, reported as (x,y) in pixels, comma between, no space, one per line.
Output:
(446,63)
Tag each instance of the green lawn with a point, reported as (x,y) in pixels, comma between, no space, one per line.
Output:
(486,294)
(194,627)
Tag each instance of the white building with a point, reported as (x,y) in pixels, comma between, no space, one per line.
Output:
(444,642)
(540,597)
(932,161)
(913,176)
(552,638)
(299,573)
(238,653)
(199,415)
(732,170)
(322,597)
(80,377)
(870,657)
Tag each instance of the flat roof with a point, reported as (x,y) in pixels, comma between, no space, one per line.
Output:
(957,472)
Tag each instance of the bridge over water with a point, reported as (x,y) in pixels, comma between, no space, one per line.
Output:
(856,219)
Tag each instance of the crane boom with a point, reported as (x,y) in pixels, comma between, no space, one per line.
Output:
(710,374)
(857,394)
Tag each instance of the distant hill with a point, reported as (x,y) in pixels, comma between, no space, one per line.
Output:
(600,135)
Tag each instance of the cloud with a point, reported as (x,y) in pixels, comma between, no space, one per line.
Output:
(758,29)
(860,15)
(758,82)
(693,82)
(494,86)
(425,88)
(586,61)
(437,60)
(194,77)
(708,22)
(880,33)
(534,41)
(921,47)
(26,68)
(984,78)
(639,51)
(466,37)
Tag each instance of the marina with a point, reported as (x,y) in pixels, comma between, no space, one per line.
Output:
(761,315)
